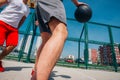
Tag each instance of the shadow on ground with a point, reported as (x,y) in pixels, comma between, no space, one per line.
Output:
(15,68)
(53,74)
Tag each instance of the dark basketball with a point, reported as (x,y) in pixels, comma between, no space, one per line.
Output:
(83,13)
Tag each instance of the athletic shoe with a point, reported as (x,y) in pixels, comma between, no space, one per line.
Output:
(1,67)
(33,71)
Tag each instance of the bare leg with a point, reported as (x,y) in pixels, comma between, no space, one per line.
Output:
(52,49)
(45,36)
(6,51)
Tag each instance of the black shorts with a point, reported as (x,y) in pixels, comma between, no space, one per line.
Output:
(42,25)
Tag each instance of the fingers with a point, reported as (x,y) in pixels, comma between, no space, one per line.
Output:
(81,3)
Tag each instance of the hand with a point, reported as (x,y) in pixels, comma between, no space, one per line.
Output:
(81,3)
(36,23)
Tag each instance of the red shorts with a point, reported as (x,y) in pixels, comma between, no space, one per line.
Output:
(8,34)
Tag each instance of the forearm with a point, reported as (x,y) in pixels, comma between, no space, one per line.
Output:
(75,2)
(21,21)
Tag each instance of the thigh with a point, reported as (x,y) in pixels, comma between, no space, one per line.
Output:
(45,36)
(2,34)
(57,25)
(12,37)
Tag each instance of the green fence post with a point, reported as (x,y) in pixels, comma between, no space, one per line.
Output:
(86,46)
(79,46)
(112,46)
(25,38)
(32,40)
(22,47)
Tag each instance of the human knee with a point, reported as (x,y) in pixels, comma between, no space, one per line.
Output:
(11,47)
(62,30)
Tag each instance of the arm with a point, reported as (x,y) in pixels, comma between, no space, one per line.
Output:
(24,17)
(2,2)
(21,21)
(77,3)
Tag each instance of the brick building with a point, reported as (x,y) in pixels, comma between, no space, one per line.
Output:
(93,55)
(105,52)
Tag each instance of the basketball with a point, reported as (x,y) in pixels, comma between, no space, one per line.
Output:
(83,13)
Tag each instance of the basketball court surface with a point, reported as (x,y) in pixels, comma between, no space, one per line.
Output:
(22,71)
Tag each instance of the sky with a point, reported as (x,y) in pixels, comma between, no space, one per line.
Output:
(103,11)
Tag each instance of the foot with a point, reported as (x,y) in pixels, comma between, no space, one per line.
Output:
(1,67)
